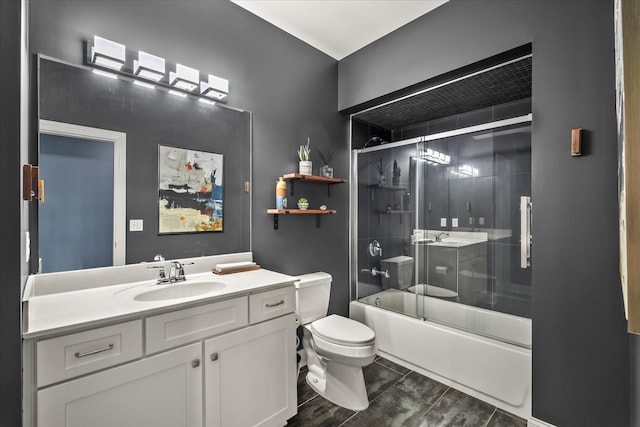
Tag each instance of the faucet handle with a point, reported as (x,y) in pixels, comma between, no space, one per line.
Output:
(162,278)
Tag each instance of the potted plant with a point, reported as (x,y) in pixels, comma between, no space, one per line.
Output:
(381,169)
(326,170)
(303,204)
(304,167)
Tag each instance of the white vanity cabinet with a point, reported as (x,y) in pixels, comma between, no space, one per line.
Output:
(162,390)
(250,375)
(224,363)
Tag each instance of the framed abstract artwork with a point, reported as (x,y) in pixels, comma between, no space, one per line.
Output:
(190,191)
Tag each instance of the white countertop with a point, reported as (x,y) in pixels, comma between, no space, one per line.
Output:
(59,312)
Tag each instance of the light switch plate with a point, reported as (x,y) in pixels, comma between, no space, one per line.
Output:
(481,220)
(136,225)
(443,222)
(454,222)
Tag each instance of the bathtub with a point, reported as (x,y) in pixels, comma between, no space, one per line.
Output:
(495,371)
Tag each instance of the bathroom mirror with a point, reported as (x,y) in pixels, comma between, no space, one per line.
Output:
(74,97)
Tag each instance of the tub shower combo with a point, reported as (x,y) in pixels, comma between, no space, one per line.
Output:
(441,238)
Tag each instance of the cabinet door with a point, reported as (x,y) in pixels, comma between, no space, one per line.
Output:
(163,390)
(250,375)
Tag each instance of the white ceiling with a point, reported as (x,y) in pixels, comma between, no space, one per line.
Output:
(339,27)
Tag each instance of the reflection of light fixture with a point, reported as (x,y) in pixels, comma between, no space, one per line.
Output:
(176,93)
(185,78)
(466,170)
(143,84)
(107,53)
(435,157)
(149,66)
(104,74)
(215,87)
(206,101)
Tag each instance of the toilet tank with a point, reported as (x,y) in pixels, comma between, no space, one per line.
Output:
(312,296)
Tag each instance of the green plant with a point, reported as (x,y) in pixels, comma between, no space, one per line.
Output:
(302,200)
(304,151)
(326,159)
(380,167)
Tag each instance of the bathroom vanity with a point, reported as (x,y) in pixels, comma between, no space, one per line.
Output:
(110,347)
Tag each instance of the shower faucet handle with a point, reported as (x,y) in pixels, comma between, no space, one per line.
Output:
(374,272)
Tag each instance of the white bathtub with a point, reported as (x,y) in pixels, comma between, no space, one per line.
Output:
(494,371)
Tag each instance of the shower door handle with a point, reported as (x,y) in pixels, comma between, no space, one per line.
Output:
(525,231)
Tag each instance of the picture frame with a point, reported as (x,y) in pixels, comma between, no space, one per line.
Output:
(190,191)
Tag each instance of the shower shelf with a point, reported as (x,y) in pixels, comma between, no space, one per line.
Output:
(373,187)
(293,177)
(316,212)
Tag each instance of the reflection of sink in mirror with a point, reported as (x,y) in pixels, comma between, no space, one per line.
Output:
(182,290)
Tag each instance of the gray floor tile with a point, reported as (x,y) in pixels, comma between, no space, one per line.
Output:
(503,419)
(391,365)
(378,379)
(394,408)
(457,409)
(421,387)
(320,412)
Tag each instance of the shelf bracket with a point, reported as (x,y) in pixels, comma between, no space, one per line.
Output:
(329,190)
(275,221)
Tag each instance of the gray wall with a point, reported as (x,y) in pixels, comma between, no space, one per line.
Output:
(290,87)
(10,393)
(580,345)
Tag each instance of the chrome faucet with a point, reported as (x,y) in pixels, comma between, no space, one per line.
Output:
(162,278)
(176,272)
(439,236)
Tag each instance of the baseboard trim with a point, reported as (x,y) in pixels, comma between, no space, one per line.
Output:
(534,422)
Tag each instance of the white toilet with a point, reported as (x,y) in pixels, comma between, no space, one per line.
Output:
(336,348)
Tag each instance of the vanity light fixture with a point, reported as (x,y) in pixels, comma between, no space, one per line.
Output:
(148,66)
(107,53)
(215,87)
(185,78)
(149,71)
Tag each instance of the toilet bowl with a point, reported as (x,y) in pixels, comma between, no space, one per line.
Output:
(336,348)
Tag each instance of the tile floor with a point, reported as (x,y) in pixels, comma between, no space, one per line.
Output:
(400,397)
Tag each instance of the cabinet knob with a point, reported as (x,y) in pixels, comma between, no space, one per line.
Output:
(195,363)
(214,357)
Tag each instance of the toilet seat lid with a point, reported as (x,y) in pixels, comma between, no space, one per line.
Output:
(340,330)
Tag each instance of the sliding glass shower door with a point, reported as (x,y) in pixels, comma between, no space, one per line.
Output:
(442,229)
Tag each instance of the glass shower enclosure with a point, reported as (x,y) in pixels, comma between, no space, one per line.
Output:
(441,227)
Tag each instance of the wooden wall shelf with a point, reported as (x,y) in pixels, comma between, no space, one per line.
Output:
(312,178)
(316,212)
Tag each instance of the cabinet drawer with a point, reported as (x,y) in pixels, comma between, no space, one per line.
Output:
(84,352)
(180,327)
(270,304)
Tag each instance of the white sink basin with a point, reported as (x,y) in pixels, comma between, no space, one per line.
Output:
(181,290)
